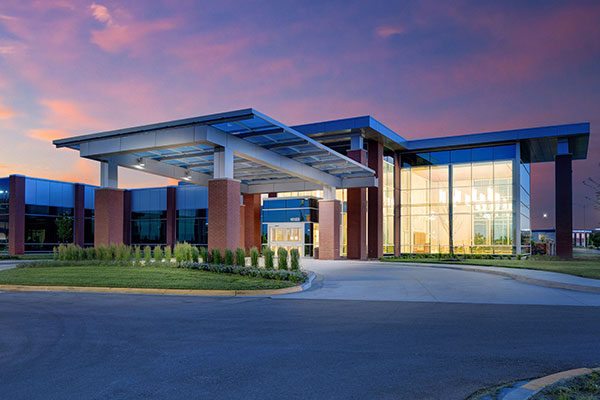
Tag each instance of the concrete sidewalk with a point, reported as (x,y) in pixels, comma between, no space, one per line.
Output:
(374,280)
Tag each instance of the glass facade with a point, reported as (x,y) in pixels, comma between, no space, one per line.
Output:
(460,200)
(388,205)
(192,214)
(286,219)
(149,216)
(4,188)
(524,207)
(45,202)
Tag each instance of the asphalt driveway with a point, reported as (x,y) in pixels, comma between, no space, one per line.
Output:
(101,346)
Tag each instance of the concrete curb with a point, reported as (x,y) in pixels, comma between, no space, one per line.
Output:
(189,292)
(521,278)
(530,388)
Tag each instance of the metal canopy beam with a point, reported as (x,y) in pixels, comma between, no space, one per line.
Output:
(162,169)
(184,155)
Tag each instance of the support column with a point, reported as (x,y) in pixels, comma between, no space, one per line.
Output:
(110,219)
(375,223)
(171,216)
(563,210)
(79,210)
(357,214)
(109,174)
(223,214)
(329,225)
(397,183)
(242,226)
(16,215)
(252,221)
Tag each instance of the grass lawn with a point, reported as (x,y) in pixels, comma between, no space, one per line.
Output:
(586,387)
(587,268)
(135,277)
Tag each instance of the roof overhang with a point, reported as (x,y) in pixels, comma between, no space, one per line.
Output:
(538,144)
(268,155)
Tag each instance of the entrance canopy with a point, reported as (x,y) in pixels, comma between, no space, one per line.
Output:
(264,154)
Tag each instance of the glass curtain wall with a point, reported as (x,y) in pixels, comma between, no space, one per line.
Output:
(388,205)
(524,207)
(460,199)
(4,186)
(192,214)
(149,216)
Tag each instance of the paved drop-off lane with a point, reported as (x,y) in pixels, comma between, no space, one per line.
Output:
(354,280)
(77,345)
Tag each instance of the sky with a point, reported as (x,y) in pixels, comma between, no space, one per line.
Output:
(423,68)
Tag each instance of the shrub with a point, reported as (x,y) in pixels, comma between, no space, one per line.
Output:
(204,254)
(183,252)
(240,257)
(90,253)
(228,257)
(254,257)
(55,253)
(168,254)
(124,253)
(195,253)
(295,259)
(268,254)
(282,258)
(215,257)
(158,254)
(147,255)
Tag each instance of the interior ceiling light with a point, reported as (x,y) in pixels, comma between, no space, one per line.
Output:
(140,164)
(187,176)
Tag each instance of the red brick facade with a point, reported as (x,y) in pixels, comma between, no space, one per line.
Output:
(223,214)
(252,221)
(110,225)
(329,229)
(375,240)
(16,215)
(357,214)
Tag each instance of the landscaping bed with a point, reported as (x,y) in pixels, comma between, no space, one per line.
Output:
(584,387)
(587,268)
(90,273)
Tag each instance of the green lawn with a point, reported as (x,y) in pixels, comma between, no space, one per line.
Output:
(587,268)
(134,277)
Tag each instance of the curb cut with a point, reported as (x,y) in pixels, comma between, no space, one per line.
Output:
(530,388)
(533,281)
(189,292)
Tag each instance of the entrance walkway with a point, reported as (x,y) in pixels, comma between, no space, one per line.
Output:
(372,280)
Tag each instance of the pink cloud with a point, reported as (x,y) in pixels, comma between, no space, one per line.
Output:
(101,13)
(68,115)
(47,135)
(389,30)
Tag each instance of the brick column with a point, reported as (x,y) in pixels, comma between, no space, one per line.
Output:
(110,219)
(16,215)
(79,225)
(223,214)
(252,221)
(563,206)
(357,214)
(242,226)
(397,183)
(329,229)
(375,235)
(171,216)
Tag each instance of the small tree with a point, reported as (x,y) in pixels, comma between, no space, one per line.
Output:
(295,259)
(147,255)
(195,254)
(595,239)
(240,257)
(168,254)
(138,256)
(228,257)
(204,254)
(158,254)
(254,257)
(268,254)
(216,257)
(64,228)
(282,258)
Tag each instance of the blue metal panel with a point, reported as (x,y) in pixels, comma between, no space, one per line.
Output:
(153,199)
(192,197)
(90,196)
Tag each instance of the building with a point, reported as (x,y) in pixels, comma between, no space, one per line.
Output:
(580,237)
(349,187)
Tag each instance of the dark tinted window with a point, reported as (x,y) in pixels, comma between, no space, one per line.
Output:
(482,154)
(504,152)
(440,157)
(460,156)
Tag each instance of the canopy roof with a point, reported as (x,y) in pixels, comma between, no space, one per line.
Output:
(268,155)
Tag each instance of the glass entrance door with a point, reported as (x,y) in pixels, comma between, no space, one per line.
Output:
(286,235)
